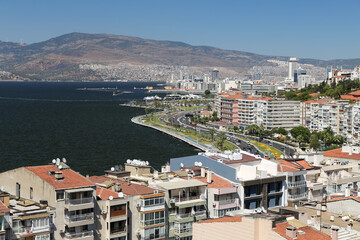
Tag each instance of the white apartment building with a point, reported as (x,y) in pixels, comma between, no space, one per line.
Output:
(245,110)
(71,194)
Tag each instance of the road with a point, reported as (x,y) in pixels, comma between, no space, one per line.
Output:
(183,121)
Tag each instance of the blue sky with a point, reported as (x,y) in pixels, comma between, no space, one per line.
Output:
(312,29)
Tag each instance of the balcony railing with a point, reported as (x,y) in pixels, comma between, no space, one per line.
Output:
(296,184)
(152,222)
(226,202)
(31,230)
(78,201)
(183,230)
(160,236)
(297,196)
(183,199)
(199,213)
(118,230)
(183,215)
(79,235)
(80,217)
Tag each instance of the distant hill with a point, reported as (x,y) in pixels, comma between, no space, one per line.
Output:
(59,58)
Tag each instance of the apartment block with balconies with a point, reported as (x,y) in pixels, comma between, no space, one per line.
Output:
(186,203)
(71,194)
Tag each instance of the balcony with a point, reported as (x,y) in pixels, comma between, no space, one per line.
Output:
(79,203)
(183,232)
(86,235)
(24,231)
(152,222)
(296,184)
(225,204)
(183,199)
(156,237)
(80,219)
(295,197)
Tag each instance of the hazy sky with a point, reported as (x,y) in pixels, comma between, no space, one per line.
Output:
(308,28)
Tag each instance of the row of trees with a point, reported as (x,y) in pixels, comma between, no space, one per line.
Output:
(332,90)
(301,135)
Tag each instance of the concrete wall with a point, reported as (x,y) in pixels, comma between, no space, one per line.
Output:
(349,206)
(248,228)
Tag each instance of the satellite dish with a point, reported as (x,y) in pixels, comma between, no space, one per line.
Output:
(294,156)
(182,165)
(2,188)
(200,164)
(282,156)
(121,194)
(112,169)
(60,167)
(57,161)
(196,163)
(54,161)
(147,163)
(111,198)
(128,161)
(64,160)
(116,167)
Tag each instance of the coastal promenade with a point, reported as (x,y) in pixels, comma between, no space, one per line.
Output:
(170,131)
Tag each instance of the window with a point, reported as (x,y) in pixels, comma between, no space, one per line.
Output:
(17,190)
(155,233)
(153,218)
(60,195)
(31,193)
(40,222)
(153,201)
(216,198)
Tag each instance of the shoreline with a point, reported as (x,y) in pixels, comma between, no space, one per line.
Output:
(138,120)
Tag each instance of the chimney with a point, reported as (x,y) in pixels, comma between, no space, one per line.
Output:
(129,183)
(334,233)
(59,176)
(202,172)
(209,177)
(167,167)
(117,187)
(291,232)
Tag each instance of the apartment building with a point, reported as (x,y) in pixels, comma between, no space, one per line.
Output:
(222,195)
(5,230)
(111,214)
(145,207)
(246,110)
(186,203)
(275,113)
(258,181)
(69,193)
(295,171)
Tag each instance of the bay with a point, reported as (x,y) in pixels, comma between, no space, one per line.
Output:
(40,121)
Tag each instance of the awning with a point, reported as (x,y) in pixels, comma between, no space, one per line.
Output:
(79,190)
(40,215)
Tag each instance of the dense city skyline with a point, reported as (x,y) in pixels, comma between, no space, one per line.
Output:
(284,28)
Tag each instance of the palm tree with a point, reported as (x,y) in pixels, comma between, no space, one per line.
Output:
(212,133)
(221,140)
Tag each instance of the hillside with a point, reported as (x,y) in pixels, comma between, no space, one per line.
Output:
(59,58)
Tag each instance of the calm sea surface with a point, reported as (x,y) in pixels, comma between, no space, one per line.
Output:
(40,121)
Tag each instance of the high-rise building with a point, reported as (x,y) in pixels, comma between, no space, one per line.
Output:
(292,66)
(214,75)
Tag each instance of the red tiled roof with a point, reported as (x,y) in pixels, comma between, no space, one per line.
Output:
(3,209)
(342,198)
(104,193)
(71,179)
(128,189)
(222,219)
(293,166)
(350,97)
(337,153)
(356,93)
(217,182)
(309,232)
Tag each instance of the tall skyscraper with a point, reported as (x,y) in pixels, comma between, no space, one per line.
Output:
(214,75)
(292,66)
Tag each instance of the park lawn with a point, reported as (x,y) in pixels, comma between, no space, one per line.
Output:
(265,148)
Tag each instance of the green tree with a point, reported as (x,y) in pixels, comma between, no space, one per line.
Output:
(221,140)
(314,142)
(300,131)
(207,92)
(212,133)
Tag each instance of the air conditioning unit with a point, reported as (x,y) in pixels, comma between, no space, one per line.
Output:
(172,200)
(103,212)
(138,205)
(214,204)
(156,191)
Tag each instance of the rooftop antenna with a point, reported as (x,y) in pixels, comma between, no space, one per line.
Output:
(64,160)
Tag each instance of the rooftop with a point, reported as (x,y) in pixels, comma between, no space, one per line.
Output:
(338,153)
(177,183)
(217,182)
(71,179)
(104,193)
(127,188)
(307,233)
(295,165)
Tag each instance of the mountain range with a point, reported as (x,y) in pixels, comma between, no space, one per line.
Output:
(60,58)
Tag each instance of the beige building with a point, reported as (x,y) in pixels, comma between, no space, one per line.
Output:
(71,194)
